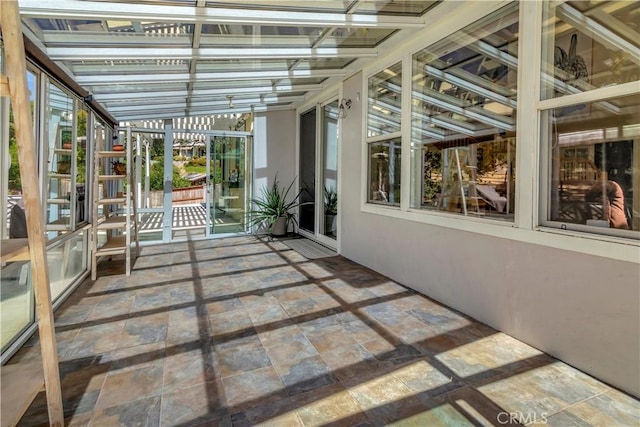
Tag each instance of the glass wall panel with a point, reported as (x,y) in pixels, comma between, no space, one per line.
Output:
(308,170)
(60,159)
(384,172)
(66,261)
(229,184)
(82,166)
(151,214)
(16,301)
(384,102)
(589,45)
(463,120)
(17,310)
(330,168)
(594,166)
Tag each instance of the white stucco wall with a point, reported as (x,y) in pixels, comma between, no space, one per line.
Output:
(581,308)
(274,149)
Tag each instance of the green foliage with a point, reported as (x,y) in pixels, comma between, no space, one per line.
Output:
(197,161)
(330,201)
(273,204)
(156,176)
(15,183)
(81,124)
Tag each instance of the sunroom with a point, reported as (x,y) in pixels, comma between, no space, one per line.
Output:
(469,225)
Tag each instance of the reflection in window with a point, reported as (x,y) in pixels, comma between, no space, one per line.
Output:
(385,101)
(383,121)
(384,172)
(578,58)
(594,166)
(463,126)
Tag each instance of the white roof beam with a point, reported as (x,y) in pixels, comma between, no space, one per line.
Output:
(115,68)
(108,53)
(127,96)
(76,9)
(101,80)
(89,38)
(204,104)
(170,114)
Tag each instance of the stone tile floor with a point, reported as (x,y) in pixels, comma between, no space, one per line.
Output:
(242,331)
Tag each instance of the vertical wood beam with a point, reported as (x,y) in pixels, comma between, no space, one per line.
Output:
(16,71)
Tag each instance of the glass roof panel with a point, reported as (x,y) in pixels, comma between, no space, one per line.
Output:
(383,7)
(358,37)
(112,26)
(199,85)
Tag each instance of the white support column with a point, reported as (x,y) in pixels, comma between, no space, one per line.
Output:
(168,180)
(405,126)
(527,148)
(138,177)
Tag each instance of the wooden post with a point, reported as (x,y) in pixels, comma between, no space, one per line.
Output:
(15,68)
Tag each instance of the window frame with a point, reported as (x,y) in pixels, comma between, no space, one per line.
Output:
(527,227)
(546,105)
(384,137)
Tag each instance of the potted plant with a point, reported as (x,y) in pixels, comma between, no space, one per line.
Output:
(273,210)
(330,209)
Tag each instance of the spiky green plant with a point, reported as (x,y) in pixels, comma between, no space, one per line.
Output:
(273,204)
(330,201)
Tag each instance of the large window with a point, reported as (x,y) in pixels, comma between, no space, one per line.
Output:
(383,135)
(591,145)
(463,120)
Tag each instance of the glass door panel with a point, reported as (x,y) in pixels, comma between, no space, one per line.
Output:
(151,200)
(228,184)
(330,169)
(308,170)
(60,163)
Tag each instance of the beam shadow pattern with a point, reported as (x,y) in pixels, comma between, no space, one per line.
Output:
(242,331)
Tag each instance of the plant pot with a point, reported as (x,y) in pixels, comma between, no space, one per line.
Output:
(118,147)
(329,224)
(279,227)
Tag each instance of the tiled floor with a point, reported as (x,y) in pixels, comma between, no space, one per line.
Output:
(241,331)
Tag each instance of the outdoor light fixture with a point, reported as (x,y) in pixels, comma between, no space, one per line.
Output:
(345,104)
(230,98)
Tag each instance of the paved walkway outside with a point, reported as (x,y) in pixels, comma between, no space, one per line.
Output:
(241,331)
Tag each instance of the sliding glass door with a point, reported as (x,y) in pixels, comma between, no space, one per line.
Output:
(228,183)
(318,173)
